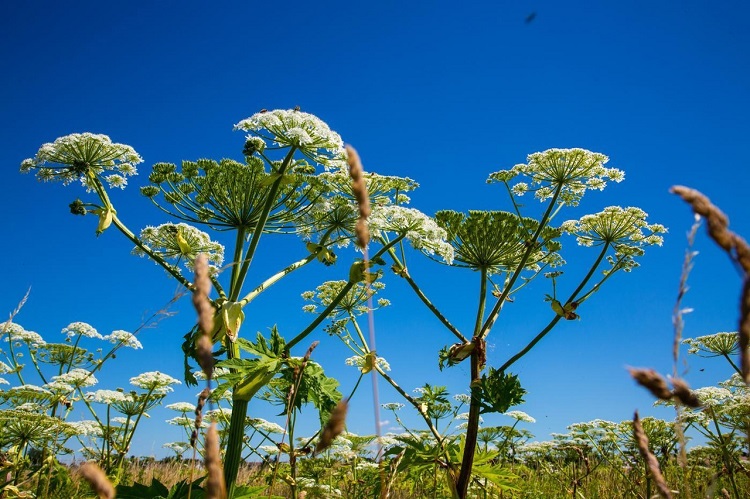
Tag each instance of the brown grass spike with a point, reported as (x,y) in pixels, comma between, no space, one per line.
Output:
(653,465)
(653,381)
(717,225)
(334,427)
(359,188)
(98,480)
(204,347)
(215,487)
(744,330)
(682,391)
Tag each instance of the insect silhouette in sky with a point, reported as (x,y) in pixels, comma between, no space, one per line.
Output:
(530,17)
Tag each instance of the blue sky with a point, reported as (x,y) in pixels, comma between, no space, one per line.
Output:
(441,93)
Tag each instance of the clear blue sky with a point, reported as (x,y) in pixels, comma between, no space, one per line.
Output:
(436,91)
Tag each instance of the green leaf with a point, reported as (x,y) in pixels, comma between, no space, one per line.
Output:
(262,348)
(498,391)
(248,376)
(314,387)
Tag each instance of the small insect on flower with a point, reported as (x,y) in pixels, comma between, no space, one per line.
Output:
(567,311)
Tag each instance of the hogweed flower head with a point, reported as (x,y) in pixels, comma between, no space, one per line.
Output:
(624,229)
(181,241)
(181,407)
(304,131)
(571,171)
(392,406)
(79,156)
(354,302)
(421,231)
(713,345)
(266,426)
(520,416)
(124,338)
(155,382)
(362,361)
(81,329)
(108,397)
(495,240)
(77,377)
(16,333)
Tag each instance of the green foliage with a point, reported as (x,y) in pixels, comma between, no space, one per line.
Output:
(498,391)
(433,401)
(157,490)
(312,386)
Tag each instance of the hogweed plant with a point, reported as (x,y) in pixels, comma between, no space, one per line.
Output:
(293,180)
(46,381)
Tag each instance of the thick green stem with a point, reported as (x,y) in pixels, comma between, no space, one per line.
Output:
(236,289)
(275,278)
(233,456)
(239,244)
(731,362)
(472,428)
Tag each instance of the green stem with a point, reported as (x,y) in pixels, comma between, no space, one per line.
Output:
(334,303)
(275,278)
(734,366)
(102,192)
(492,317)
(233,456)
(557,318)
(235,291)
(158,259)
(426,300)
(472,428)
(239,244)
(365,347)
(414,403)
(725,454)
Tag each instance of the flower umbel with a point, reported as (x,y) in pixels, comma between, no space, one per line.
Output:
(79,155)
(181,241)
(306,132)
(569,171)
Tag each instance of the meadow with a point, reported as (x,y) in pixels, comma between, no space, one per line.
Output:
(297,179)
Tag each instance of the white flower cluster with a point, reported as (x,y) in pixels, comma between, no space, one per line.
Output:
(181,241)
(81,329)
(392,406)
(306,132)
(620,227)
(569,171)
(359,361)
(155,382)
(73,156)
(15,332)
(421,231)
(108,397)
(520,416)
(181,407)
(77,377)
(711,345)
(265,426)
(124,338)
(87,428)
(177,447)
